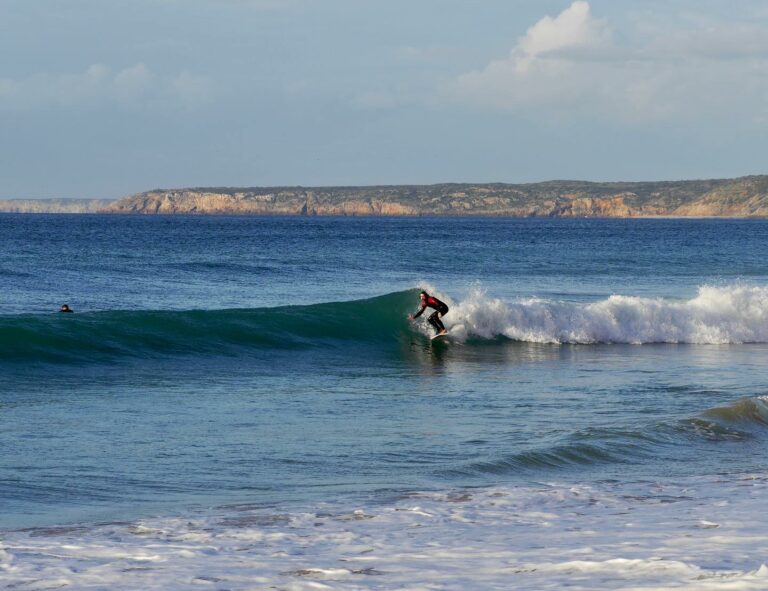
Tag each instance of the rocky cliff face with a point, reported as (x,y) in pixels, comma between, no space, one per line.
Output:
(280,202)
(743,197)
(740,198)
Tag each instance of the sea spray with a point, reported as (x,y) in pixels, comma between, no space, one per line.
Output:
(717,315)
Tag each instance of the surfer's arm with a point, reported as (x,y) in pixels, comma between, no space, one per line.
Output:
(419,313)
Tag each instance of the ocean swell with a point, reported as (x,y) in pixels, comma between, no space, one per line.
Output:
(100,336)
(742,420)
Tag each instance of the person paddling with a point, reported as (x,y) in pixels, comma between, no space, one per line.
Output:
(66,309)
(441,309)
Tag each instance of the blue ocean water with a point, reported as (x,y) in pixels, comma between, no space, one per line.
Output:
(226,360)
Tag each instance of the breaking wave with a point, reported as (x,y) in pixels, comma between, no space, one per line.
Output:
(717,315)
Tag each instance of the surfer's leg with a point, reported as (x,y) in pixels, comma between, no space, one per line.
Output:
(442,312)
(435,321)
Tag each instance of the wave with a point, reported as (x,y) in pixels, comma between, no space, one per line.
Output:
(97,336)
(717,315)
(746,414)
(743,420)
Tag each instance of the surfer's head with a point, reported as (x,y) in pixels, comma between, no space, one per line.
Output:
(65,308)
(423,295)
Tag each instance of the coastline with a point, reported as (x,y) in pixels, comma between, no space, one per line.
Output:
(743,197)
(337,216)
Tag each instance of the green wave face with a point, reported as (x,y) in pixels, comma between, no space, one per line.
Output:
(742,420)
(749,411)
(99,336)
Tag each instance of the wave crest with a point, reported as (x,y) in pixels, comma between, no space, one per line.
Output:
(717,315)
(746,411)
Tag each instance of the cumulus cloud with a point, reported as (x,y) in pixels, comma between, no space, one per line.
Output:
(574,28)
(571,64)
(99,84)
(542,67)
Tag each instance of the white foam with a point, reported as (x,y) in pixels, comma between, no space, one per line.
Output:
(717,315)
(607,536)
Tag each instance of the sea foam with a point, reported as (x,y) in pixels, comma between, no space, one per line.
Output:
(702,533)
(717,315)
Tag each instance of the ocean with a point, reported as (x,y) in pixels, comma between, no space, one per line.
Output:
(242,403)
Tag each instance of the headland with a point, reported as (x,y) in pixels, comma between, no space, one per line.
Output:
(742,197)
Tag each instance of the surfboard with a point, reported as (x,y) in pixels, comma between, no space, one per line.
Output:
(438,335)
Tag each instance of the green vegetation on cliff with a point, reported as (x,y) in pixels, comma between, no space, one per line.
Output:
(743,197)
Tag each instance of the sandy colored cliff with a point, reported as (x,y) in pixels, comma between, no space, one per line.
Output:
(744,197)
(738,198)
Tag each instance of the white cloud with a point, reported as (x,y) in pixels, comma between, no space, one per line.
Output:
(99,84)
(574,28)
(570,65)
(540,68)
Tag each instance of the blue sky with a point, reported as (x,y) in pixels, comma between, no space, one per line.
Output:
(102,98)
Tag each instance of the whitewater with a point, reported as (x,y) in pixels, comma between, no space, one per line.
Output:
(546,537)
(242,403)
(716,315)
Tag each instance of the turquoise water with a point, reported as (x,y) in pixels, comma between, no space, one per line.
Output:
(267,361)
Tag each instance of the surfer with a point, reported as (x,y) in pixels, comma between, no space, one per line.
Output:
(428,301)
(66,309)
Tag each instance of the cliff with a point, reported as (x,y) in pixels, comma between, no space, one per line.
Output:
(743,197)
(53,205)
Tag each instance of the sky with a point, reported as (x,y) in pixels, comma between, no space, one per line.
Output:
(104,98)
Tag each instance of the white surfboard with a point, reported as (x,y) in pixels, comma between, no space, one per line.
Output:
(438,335)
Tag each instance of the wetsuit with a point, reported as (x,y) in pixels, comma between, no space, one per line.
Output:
(434,318)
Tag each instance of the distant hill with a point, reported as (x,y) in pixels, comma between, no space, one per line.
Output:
(54,205)
(742,197)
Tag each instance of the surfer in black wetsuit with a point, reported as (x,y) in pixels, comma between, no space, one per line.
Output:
(427,301)
(66,309)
